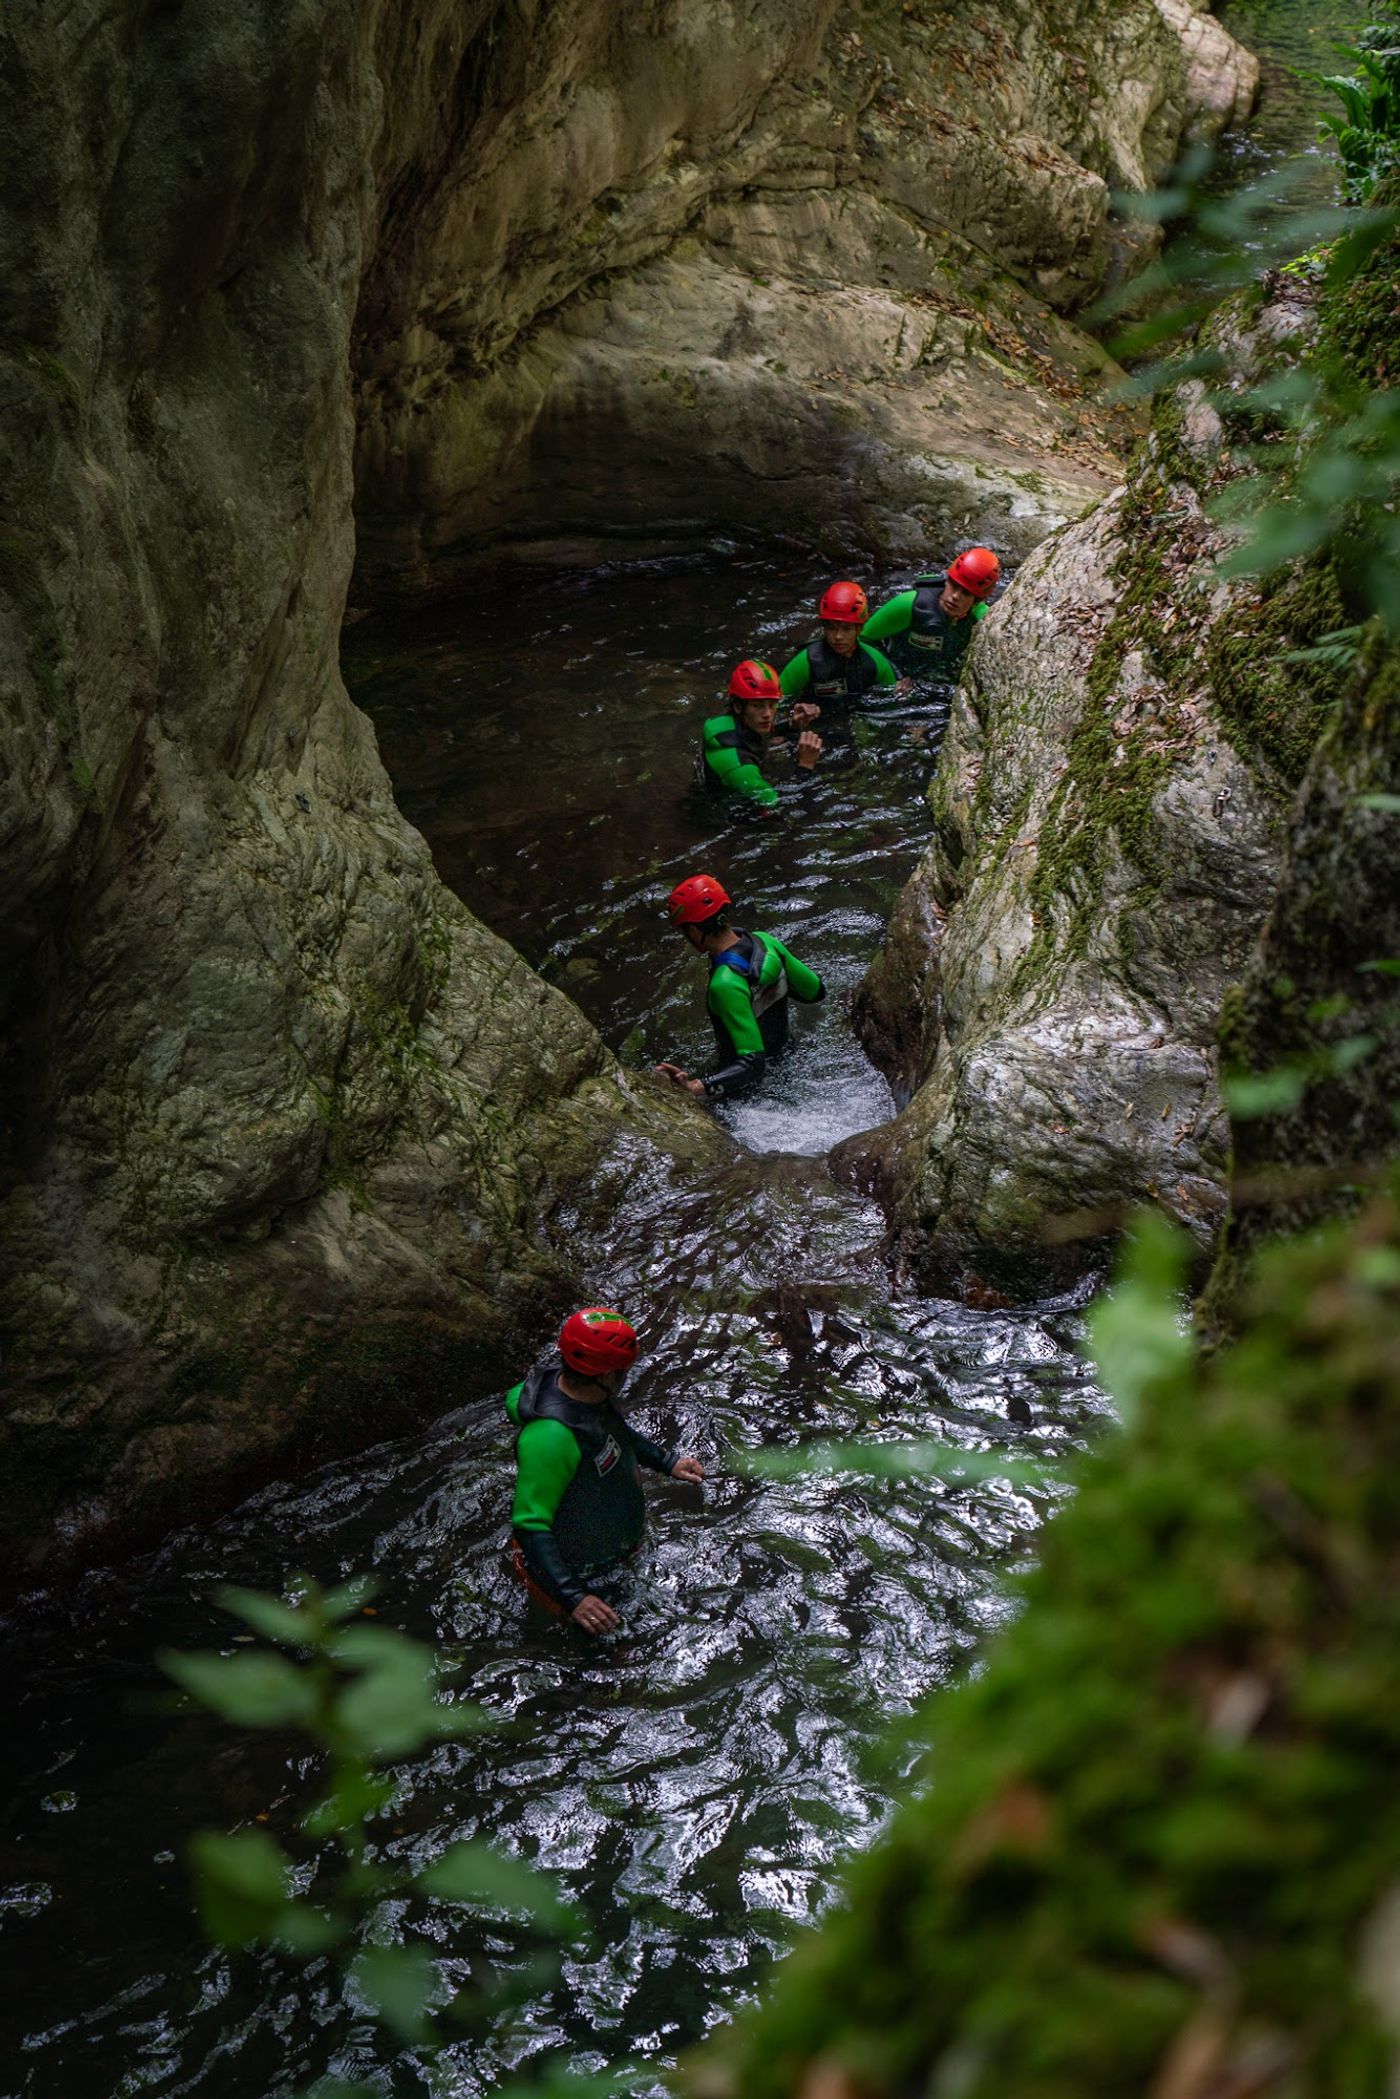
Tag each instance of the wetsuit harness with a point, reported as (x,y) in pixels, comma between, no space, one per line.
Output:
(747,1005)
(731,756)
(831,679)
(578,1491)
(914,624)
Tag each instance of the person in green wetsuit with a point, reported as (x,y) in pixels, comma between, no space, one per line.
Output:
(926,630)
(578,1503)
(837,668)
(751,975)
(735,745)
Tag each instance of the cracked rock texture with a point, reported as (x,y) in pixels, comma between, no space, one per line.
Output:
(283,1125)
(1113,804)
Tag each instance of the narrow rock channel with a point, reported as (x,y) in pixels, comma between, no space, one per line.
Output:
(698,1784)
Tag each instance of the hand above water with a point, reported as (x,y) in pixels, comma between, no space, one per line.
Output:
(802,712)
(594,1615)
(688,1469)
(679,1077)
(809,749)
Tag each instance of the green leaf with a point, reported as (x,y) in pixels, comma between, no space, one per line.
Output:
(251,1690)
(289,1625)
(244,1882)
(399,1982)
(1325,1009)
(350,1597)
(1344,1056)
(390,1708)
(359,1796)
(1387,967)
(1137,1338)
(1387,804)
(916,1458)
(484,1878)
(1378,1267)
(1252,1094)
(302,1929)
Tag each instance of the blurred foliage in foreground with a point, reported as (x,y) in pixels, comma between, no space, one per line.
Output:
(1161,1850)
(360,1697)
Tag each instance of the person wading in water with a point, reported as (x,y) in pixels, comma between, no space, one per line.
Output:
(838,669)
(734,745)
(578,1504)
(751,975)
(926,630)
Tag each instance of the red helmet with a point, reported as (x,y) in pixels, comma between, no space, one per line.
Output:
(752,680)
(595,1340)
(695,899)
(976,569)
(844,602)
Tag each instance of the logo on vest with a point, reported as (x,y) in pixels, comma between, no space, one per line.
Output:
(608,1456)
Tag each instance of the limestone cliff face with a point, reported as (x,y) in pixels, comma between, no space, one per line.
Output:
(764,267)
(1113,805)
(279,1114)
(282,1121)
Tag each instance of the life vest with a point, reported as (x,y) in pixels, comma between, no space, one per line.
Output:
(930,630)
(765,980)
(602,1512)
(834,677)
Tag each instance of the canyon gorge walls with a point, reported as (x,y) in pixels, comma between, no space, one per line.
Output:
(284,1126)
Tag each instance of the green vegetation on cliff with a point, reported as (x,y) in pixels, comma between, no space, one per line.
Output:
(1162,1820)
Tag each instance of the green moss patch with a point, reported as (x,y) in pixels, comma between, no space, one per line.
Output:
(1161,1819)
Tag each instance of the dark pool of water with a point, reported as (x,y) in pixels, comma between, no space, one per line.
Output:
(544,746)
(696,1783)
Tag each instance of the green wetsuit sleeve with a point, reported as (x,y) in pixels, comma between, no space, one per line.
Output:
(729,1001)
(886,674)
(892,617)
(803,983)
(737,775)
(796,676)
(546,1459)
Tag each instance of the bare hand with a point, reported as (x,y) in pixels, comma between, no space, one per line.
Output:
(688,1469)
(900,688)
(802,712)
(679,1077)
(809,749)
(594,1615)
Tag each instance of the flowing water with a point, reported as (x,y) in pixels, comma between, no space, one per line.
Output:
(696,1782)
(1294,40)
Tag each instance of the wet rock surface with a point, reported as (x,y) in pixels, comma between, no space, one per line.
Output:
(814,282)
(1110,823)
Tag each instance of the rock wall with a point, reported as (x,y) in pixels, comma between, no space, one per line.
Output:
(785,268)
(282,1122)
(278,1112)
(1113,804)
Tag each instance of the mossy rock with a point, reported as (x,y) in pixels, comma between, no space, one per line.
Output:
(1160,1822)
